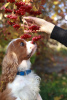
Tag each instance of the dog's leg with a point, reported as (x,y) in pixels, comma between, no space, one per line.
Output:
(39,97)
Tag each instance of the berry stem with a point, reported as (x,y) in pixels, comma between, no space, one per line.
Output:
(23,24)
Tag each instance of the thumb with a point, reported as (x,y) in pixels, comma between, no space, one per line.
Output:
(29,18)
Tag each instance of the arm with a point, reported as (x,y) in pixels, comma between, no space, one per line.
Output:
(60,35)
(55,32)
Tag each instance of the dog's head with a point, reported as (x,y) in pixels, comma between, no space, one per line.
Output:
(21,48)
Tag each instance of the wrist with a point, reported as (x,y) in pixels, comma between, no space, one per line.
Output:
(50,27)
(47,27)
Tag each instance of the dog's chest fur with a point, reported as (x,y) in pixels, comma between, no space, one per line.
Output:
(25,87)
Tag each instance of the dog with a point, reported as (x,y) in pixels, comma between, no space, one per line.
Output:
(18,81)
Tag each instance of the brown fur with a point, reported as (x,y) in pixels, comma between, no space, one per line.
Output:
(6,95)
(14,55)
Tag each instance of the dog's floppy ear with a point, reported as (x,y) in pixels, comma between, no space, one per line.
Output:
(6,95)
(9,69)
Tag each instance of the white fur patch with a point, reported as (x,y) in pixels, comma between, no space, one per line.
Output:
(25,65)
(25,87)
(30,47)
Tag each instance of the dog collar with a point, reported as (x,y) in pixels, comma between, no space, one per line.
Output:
(22,73)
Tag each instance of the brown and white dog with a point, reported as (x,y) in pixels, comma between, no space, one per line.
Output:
(18,82)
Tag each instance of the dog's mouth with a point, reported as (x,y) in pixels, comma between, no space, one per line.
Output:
(32,52)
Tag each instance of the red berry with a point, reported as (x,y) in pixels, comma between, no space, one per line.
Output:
(36,38)
(9,33)
(8,10)
(16,26)
(1,1)
(25,36)
(18,4)
(12,17)
(11,1)
(8,16)
(31,12)
(34,27)
(10,23)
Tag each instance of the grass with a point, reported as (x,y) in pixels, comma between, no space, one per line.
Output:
(54,88)
(63,51)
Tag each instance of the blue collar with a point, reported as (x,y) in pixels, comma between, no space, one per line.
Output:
(22,73)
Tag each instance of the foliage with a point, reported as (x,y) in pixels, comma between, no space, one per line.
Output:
(52,10)
(63,51)
(54,87)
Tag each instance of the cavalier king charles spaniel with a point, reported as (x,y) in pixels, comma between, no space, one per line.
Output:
(18,81)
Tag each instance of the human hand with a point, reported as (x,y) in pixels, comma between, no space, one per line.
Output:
(44,25)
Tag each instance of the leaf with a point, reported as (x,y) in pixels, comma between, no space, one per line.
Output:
(64,83)
(4,6)
(34,8)
(56,2)
(57,98)
(7,4)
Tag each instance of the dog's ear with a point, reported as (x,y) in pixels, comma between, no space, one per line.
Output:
(6,95)
(9,69)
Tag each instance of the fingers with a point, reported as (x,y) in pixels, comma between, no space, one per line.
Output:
(34,21)
(30,19)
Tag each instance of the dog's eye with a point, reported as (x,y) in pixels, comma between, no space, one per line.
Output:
(21,44)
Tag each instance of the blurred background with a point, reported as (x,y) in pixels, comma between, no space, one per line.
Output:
(50,61)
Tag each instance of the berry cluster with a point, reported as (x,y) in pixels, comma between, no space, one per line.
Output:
(10,23)
(12,17)
(36,38)
(16,26)
(34,27)
(1,1)
(8,10)
(25,36)
(22,8)
(11,1)
(20,12)
(18,4)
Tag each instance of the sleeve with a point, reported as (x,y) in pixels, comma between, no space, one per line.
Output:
(60,35)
